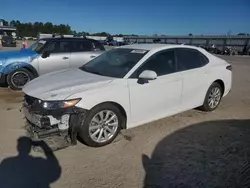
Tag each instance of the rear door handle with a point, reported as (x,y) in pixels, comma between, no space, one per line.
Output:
(92,56)
(65,58)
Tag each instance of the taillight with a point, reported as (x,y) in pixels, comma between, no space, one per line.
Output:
(229,67)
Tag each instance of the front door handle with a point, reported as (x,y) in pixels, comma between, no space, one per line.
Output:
(65,58)
(92,56)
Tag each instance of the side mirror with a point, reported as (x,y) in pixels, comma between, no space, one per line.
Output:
(45,54)
(148,75)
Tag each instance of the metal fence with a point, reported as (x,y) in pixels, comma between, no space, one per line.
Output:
(221,41)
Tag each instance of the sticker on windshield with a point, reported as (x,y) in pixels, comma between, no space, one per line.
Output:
(139,51)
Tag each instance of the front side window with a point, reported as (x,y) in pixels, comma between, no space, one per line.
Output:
(190,59)
(114,63)
(37,46)
(58,47)
(7,33)
(162,63)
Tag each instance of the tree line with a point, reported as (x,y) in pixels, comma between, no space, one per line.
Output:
(33,29)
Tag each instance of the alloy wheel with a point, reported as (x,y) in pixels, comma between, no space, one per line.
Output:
(214,97)
(103,126)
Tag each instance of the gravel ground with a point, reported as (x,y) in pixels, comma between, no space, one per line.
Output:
(192,149)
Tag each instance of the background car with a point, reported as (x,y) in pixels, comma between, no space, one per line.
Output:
(214,49)
(44,56)
(123,88)
(228,51)
(8,41)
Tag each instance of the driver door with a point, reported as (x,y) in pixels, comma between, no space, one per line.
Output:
(58,59)
(155,98)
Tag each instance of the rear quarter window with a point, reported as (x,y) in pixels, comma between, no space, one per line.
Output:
(98,46)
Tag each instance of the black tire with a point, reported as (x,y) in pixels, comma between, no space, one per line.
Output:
(205,106)
(10,77)
(84,134)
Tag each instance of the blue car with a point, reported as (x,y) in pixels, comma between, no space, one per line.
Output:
(46,55)
(16,66)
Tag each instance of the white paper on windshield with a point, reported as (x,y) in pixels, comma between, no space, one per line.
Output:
(139,51)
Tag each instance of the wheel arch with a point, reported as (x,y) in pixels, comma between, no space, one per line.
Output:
(222,85)
(120,107)
(32,70)
(15,66)
(204,106)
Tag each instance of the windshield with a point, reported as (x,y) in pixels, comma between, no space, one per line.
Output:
(7,33)
(37,46)
(114,63)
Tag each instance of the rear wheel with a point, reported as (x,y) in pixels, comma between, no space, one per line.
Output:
(213,97)
(17,79)
(102,125)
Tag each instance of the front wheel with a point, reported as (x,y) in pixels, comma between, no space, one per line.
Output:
(102,125)
(17,79)
(213,97)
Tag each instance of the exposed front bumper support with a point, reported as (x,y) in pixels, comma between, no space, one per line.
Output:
(47,129)
(53,137)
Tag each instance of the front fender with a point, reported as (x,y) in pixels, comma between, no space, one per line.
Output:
(17,65)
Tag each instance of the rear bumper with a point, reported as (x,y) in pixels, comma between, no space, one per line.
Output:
(228,82)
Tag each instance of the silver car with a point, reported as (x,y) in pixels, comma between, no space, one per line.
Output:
(44,56)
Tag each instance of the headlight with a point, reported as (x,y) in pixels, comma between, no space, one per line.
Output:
(51,105)
(2,61)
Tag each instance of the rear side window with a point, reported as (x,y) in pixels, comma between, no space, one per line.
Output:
(98,46)
(81,46)
(190,59)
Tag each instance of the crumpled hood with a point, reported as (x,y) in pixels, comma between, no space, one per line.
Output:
(61,84)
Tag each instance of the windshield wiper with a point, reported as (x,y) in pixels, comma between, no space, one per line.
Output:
(83,68)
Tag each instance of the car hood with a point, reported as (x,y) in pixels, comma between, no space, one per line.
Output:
(61,84)
(16,54)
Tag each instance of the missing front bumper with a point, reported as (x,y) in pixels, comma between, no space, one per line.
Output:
(53,137)
(58,129)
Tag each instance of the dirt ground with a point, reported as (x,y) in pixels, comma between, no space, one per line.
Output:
(192,149)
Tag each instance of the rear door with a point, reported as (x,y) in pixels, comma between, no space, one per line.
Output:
(82,52)
(191,63)
(58,59)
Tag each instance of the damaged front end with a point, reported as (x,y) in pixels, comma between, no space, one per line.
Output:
(58,127)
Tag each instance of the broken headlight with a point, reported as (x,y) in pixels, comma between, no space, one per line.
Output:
(52,105)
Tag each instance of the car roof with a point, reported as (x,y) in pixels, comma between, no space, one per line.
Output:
(67,38)
(156,46)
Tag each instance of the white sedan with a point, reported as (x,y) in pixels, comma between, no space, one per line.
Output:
(123,88)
